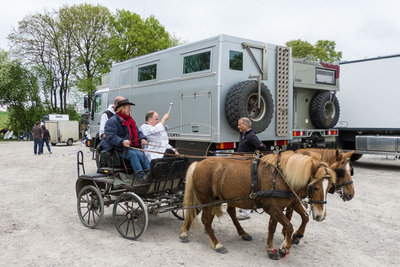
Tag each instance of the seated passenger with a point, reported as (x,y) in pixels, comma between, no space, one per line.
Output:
(121,133)
(156,135)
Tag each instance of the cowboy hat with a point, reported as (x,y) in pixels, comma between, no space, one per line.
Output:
(123,103)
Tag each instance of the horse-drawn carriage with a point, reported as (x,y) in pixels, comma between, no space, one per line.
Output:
(115,185)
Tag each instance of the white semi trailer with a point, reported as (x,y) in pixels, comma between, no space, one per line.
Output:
(214,82)
(369,98)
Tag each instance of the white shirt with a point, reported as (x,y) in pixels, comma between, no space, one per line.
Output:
(104,119)
(157,139)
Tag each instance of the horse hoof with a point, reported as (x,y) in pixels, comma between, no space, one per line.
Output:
(283,252)
(247,237)
(184,239)
(221,250)
(296,239)
(273,254)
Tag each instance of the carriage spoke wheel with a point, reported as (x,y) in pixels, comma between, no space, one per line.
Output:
(179,213)
(130,215)
(90,206)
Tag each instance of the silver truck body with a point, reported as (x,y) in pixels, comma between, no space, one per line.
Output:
(369,122)
(200,113)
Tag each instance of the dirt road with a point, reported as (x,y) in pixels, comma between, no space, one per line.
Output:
(39,225)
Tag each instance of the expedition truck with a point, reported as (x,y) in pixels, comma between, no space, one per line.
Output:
(214,82)
(369,100)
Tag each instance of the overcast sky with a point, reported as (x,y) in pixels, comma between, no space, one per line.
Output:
(360,28)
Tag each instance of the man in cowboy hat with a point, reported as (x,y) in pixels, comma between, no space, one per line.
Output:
(121,134)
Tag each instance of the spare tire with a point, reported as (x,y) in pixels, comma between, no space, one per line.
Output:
(241,101)
(324,110)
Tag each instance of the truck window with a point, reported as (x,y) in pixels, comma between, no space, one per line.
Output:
(147,73)
(235,60)
(324,76)
(197,62)
(97,103)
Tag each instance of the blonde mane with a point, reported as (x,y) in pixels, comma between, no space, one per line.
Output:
(297,168)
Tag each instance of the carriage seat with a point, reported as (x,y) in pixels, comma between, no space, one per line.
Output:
(110,161)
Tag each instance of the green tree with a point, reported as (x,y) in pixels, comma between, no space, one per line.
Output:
(323,50)
(131,36)
(88,25)
(20,92)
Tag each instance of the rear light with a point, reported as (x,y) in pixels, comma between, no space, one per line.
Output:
(331,132)
(298,133)
(281,142)
(228,145)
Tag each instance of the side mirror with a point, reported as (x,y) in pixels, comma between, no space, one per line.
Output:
(85,102)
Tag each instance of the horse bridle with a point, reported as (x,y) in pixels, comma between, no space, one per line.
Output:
(340,174)
(311,185)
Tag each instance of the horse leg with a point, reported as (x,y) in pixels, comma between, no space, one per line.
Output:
(289,214)
(272,253)
(186,225)
(207,218)
(287,242)
(232,213)
(304,220)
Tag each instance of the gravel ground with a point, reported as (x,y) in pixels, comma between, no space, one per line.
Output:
(39,225)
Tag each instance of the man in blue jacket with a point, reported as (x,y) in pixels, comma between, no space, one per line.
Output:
(121,134)
(248,142)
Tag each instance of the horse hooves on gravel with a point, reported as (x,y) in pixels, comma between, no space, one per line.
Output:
(184,239)
(283,252)
(296,239)
(273,254)
(221,250)
(247,237)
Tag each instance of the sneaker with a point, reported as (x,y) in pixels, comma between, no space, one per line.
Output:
(242,218)
(51,152)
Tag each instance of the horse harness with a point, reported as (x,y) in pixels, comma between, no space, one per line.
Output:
(256,194)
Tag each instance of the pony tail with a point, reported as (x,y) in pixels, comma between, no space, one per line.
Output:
(190,198)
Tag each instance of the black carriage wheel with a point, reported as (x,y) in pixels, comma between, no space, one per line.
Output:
(90,206)
(179,213)
(130,215)
(324,110)
(242,101)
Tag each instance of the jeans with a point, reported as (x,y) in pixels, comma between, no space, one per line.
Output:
(38,143)
(46,141)
(137,159)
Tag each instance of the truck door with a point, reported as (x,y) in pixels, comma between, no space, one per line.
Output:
(196,116)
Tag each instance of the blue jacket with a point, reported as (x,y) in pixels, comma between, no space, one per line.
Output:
(116,133)
(249,142)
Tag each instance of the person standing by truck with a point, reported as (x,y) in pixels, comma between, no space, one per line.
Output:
(107,115)
(46,138)
(156,135)
(121,133)
(248,142)
(37,134)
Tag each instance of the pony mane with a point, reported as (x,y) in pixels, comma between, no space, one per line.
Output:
(297,168)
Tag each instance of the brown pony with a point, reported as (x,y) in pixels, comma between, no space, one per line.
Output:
(340,163)
(214,180)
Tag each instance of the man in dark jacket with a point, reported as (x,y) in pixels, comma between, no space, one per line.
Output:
(248,142)
(46,138)
(37,134)
(121,134)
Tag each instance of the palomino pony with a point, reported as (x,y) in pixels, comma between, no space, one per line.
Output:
(214,180)
(340,163)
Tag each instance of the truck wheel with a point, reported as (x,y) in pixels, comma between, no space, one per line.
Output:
(70,142)
(355,157)
(324,110)
(241,101)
